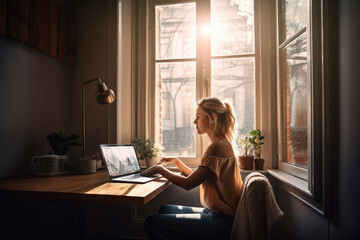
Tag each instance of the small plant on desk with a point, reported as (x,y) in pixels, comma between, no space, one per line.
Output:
(146,149)
(61,143)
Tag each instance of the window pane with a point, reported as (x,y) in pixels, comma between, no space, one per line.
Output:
(234,80)
(175,31)
(293,17)
(176,90)
(232,27)
(296,106)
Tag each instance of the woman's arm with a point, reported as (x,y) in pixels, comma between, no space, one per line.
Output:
(193,180)
(180,165)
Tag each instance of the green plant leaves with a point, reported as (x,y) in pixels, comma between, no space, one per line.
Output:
(61,143)
(252,142)
(146,148)
(254,133)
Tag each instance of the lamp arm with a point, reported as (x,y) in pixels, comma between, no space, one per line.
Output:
(92,80)
(83,110)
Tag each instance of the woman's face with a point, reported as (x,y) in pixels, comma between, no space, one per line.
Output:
(202,122)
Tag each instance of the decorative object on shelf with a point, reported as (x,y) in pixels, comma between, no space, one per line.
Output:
(146,150)
(103,96)
(61,143)
(256,142)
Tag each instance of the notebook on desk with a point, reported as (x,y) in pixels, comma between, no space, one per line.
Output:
(122,164)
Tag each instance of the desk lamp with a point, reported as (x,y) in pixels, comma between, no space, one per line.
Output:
(103,96)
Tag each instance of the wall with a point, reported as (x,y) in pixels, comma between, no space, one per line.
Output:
(345,223)
(33,103)
(96,51)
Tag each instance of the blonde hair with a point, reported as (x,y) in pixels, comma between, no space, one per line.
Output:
(221,116)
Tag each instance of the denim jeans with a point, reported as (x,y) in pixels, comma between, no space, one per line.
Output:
(181,222)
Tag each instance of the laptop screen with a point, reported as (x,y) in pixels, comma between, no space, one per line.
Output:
(120,159)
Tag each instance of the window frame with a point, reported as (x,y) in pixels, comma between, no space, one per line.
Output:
(203,84)
(314,196)
(266,92)
(281,78)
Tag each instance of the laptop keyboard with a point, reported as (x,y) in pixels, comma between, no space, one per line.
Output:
(133,176)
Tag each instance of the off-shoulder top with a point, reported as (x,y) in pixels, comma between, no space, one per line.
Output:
(221,192)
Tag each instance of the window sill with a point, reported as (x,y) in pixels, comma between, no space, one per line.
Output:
(291,180)
(265,171)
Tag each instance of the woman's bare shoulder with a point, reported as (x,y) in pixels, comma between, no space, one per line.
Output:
(221,149)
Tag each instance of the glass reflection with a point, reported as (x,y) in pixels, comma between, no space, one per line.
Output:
(175,31)
(296,105)
(293,17)
(177,91)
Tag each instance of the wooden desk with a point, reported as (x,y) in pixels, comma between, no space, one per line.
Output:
(85,187)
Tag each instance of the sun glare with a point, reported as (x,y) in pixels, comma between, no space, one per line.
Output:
(218,34)
(207,30)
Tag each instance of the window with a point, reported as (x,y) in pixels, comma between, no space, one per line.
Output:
(200,49)
(300,90)
(295,85)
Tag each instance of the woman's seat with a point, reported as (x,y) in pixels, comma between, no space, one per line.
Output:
(257,210)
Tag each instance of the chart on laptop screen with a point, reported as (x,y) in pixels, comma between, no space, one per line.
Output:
(121,160)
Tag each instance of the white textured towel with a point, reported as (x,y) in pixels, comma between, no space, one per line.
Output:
(257,210)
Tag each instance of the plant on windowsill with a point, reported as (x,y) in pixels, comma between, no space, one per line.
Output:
(146,150)
(247,158)
(61,143)
(255,139)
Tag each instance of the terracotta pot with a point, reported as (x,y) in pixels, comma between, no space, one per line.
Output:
(151,161)
(259,163)
(246,163)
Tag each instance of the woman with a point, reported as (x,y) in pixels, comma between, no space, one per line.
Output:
(218,176)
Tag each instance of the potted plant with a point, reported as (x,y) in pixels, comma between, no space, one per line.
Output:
(246,159)
(61,144)
(146,150)
(256,142)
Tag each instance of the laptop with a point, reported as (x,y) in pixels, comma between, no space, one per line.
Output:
(122,164)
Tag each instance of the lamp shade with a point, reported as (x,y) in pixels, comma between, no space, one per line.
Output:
(104,95)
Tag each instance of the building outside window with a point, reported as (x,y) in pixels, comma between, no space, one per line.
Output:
(201,49)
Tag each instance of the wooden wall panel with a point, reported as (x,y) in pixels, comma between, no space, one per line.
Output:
(18,18)
(53,28)
(72,41)
(44,26)
(2,17)
(32,23)
(62,34)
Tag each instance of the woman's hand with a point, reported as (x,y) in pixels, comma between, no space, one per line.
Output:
(152,170)
(165,161)
(179,164)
